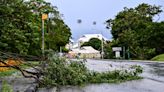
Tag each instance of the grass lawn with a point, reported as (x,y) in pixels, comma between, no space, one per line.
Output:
(6,87)
(27,64)
(158,58)
(7,73)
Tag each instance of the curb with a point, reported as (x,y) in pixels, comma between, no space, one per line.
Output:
(32,88)
(54,89)
(140,61)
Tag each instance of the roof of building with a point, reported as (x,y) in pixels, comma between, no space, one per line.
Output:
(87,37)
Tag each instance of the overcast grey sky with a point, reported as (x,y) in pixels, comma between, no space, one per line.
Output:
(95,10)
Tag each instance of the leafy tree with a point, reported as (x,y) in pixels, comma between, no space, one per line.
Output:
(131,28)
(94,42)
(132,19)
(58,35)
(15,26)
(108,53)
(155,33)
(20,23)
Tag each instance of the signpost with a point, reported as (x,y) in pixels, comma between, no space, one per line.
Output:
(44,17)
(117,51)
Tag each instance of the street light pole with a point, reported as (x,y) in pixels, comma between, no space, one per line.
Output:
(102,43)
(102,48)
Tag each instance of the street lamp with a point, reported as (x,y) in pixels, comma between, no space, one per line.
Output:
(102,42)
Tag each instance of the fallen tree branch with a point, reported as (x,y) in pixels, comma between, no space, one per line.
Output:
(25,73)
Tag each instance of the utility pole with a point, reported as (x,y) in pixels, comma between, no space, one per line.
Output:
(128,53)
(102,43)
(124,52)
(102,47)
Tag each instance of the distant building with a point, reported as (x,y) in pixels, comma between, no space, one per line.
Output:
(75,49)
(85,52)
(84,38)
(87,37)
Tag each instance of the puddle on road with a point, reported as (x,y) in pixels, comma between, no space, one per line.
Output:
(143,85)
(157,69)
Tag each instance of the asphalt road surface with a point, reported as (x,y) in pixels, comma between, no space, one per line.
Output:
(153,80)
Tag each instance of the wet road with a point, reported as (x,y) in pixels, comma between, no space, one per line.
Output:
(153,80)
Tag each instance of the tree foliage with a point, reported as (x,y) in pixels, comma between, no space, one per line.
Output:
(20,23)
(135,29)
(58,35)
(94,42)
(108,53)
